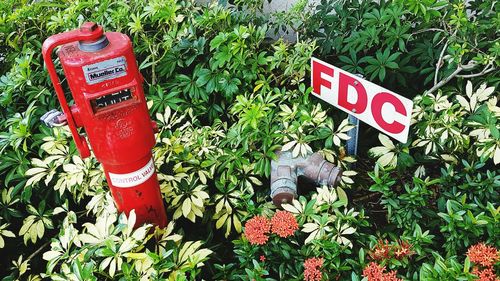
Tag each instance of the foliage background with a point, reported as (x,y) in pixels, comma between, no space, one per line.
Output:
(226,97)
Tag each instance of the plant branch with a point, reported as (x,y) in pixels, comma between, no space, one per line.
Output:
(427,30)
(459,69)
(487,69)
(365,197)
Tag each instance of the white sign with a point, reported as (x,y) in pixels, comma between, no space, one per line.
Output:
(105,70)
(134,178)
(378,107)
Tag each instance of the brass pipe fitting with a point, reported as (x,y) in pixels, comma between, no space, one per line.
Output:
(286,169)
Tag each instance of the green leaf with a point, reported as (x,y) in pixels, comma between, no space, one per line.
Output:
(342,196)
(217,41)
(381,74)
(361,256)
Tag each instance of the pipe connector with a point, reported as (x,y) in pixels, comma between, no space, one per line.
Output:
(286,169)
(54,118)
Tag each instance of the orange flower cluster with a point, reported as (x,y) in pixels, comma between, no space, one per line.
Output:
(486,257)
(376,272)
(483,254)
(383,250)
(486,274)
(256,230)
(284,224)
(311,269)
(403,249)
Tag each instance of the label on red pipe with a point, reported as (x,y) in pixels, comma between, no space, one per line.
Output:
(105,70)
(133,178)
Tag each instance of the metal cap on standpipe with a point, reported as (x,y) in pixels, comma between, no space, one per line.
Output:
(286,169)
(92,45)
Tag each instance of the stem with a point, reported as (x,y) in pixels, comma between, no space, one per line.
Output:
(38,250)
(108,277)
(153,70)
(440,62)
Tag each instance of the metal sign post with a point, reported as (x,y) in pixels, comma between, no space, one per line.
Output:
(352,143)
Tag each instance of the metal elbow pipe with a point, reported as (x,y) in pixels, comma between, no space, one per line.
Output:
(286,169)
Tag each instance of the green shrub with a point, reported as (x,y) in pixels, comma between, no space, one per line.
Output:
(226,97)
(399,43)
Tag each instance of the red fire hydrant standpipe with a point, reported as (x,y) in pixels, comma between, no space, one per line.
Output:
(109,104)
